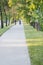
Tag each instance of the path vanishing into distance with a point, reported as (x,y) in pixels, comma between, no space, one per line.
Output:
(13,48)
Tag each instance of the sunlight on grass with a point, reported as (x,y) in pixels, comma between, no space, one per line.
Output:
(35,44)
(34,41)
(38,39)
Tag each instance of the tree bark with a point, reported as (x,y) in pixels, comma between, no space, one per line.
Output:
(5,16)
(1,20)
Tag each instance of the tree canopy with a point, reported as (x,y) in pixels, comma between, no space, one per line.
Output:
(26,9)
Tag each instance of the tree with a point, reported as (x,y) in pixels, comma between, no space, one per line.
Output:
(5,6)
(1,8)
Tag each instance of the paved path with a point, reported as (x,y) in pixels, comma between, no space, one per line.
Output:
(13,49)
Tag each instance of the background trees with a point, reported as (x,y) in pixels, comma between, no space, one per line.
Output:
(28,10)
(31,11)
(3,5)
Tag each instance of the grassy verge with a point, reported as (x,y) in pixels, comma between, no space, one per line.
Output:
(5,29)
(34,40)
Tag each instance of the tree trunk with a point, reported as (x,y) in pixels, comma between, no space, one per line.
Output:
(2,20)
(5,16)
(9,18)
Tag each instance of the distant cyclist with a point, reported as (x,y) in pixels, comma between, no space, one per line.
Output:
(15,22)
(19,21)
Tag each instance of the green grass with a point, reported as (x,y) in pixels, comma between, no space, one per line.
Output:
(36,55)
(3,30)
(35,51)
(32,33)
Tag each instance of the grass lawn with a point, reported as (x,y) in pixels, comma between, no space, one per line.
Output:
(4,29)
(34,41)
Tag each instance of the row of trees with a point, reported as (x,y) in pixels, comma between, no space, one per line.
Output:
(8,11)
(4,8)
(31,10)
(28,10)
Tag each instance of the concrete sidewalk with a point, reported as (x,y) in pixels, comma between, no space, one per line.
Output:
(13,49)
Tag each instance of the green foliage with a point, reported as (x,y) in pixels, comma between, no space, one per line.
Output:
(25,9)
